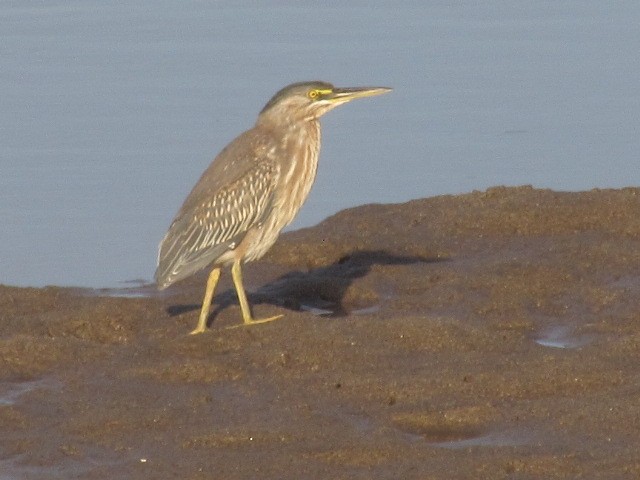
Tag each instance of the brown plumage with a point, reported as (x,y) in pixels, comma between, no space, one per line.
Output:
(251,191)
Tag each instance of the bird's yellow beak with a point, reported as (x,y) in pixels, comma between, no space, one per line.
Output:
(342,95)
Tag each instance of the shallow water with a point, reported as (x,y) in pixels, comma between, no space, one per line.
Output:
(498,439)
(111,111)
(11,392)
(563,336)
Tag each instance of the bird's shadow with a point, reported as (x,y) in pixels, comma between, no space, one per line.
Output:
(320,290)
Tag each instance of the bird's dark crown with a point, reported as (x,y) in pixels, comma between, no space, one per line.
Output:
(300,88)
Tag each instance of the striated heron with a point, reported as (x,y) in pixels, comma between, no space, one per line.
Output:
(251,191)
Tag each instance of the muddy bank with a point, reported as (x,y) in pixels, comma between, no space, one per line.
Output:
(489,335)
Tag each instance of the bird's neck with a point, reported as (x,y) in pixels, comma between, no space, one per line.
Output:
(284,120)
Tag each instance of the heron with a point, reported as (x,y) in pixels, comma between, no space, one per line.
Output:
(250,192)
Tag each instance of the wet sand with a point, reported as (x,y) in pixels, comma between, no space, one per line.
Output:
(491,335)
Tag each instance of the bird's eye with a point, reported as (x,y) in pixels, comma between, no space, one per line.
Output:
(313,94)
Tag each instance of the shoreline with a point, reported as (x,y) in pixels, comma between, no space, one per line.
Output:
(481,335)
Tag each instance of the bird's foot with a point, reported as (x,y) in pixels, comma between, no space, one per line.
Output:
(250,321)
(198,329)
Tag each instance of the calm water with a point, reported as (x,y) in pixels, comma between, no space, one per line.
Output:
(109,112)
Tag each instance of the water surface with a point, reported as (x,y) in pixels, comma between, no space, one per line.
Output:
(110,111)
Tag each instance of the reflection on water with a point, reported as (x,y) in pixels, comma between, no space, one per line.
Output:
(134,289)
(321,312)
(563,336)
(494,439)
(10,392)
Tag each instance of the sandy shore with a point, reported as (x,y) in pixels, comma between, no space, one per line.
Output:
(491,335)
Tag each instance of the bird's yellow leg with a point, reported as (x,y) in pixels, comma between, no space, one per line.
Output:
(206,303)
(236,273)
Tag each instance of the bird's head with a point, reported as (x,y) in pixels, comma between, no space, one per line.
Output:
(311,100)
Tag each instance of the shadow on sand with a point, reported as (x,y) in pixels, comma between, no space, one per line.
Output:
(321,290)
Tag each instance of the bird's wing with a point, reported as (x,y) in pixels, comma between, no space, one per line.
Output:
(204,230)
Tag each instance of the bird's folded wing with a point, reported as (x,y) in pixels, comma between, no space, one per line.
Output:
(201,234)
